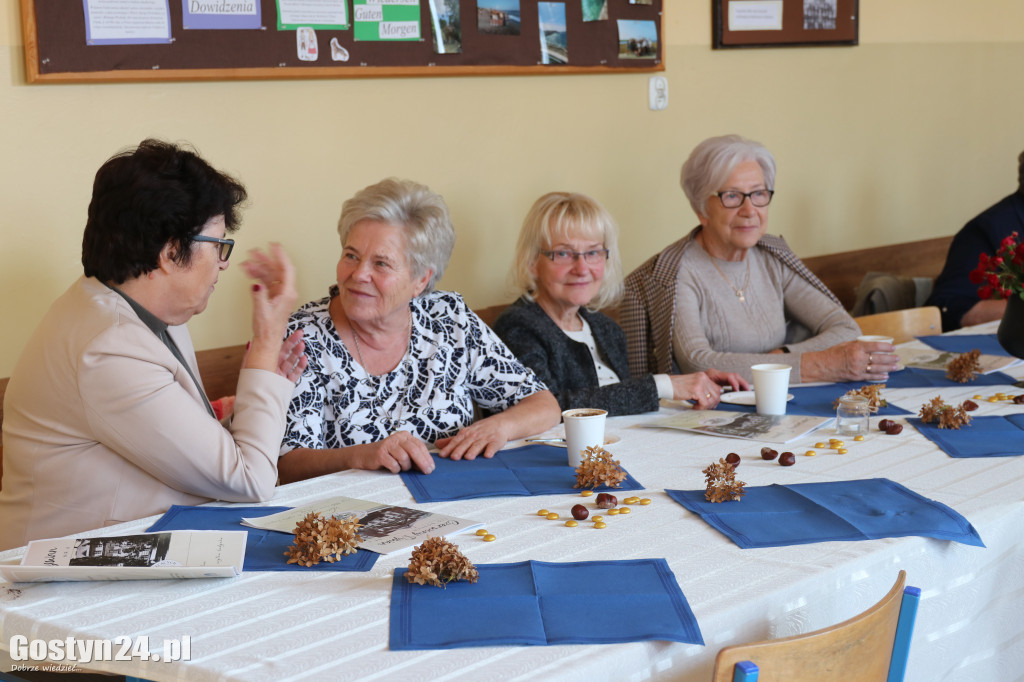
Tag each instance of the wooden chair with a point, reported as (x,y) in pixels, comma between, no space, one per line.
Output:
(870,647)
(903,325)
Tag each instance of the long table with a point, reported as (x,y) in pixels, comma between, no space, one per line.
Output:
(323,625)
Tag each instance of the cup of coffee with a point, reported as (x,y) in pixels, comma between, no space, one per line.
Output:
(584,428)
(771,387)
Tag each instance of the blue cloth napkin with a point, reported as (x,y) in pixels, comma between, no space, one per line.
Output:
(803,513)
(985,436)
(541,603)
(527,470)
(815,401)
(915,377)
(988,344)
(264,549)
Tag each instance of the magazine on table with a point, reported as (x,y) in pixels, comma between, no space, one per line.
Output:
(746,425)
(384,528)
(930,358)
(143,556)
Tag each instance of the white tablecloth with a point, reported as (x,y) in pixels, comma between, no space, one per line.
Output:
(279,626)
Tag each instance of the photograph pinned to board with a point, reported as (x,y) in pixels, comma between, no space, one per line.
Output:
(819,15)
(111,22)
(445,26)
(554,46)
(386,20)
(316,14)
(210,14)
(498,17)
(638,39)
(595,10)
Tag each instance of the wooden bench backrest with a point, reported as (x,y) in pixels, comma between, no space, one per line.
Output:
(842,272)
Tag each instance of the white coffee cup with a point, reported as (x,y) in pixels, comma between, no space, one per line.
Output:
(875,338)
(584,427)
(771,387)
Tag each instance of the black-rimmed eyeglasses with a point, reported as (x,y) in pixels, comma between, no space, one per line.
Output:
(567,257)
(225,244)
(734,199)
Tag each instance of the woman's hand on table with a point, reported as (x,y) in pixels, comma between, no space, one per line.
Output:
(401,451)
(484,437)
(850,361)
(705,388)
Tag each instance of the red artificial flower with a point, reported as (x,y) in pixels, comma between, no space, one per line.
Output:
(985,292)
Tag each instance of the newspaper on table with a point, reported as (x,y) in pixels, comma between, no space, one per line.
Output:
(385,528)
(746,425)
(930,358)
(144,556)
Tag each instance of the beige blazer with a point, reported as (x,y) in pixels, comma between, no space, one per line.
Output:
(102,425)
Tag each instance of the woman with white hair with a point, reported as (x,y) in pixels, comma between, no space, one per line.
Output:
(729,295)
(567,267)
(394,364)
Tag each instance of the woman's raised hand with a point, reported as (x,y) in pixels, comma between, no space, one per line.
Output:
(273,297)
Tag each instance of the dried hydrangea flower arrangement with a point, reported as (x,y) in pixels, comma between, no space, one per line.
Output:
(947,416)
(318,539)
(598,468)
(722,483)
(439,562)
(964,367)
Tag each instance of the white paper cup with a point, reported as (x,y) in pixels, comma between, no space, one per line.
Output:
(584,427)
(771,387)
(875,338)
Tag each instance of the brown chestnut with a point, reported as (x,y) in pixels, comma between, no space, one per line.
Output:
(885,424)
(606,501)
(733,459)
(970,405)
(894,429)
(579,512)
(1018,399)
(768,453)
(787,459)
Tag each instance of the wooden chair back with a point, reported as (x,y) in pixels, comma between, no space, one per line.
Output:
(902,325)
(857,650)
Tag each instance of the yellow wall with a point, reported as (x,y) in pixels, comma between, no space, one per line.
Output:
(900,138)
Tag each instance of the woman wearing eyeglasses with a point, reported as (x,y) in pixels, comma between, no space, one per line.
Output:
(729,295)
(394,364)
(567,267)
(105,418)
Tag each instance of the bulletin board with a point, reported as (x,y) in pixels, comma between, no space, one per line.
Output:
(774,23)
(76,41)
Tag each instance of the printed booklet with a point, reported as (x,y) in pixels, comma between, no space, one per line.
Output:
(385,528)
(143,556)
(747,425)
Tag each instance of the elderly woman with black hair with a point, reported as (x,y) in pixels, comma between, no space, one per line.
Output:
(729,295)
(567,268)
(394,364)
(105,418)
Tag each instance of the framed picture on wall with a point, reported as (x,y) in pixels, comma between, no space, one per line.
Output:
(774,23)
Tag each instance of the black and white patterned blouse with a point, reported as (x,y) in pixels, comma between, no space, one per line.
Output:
(453,361)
